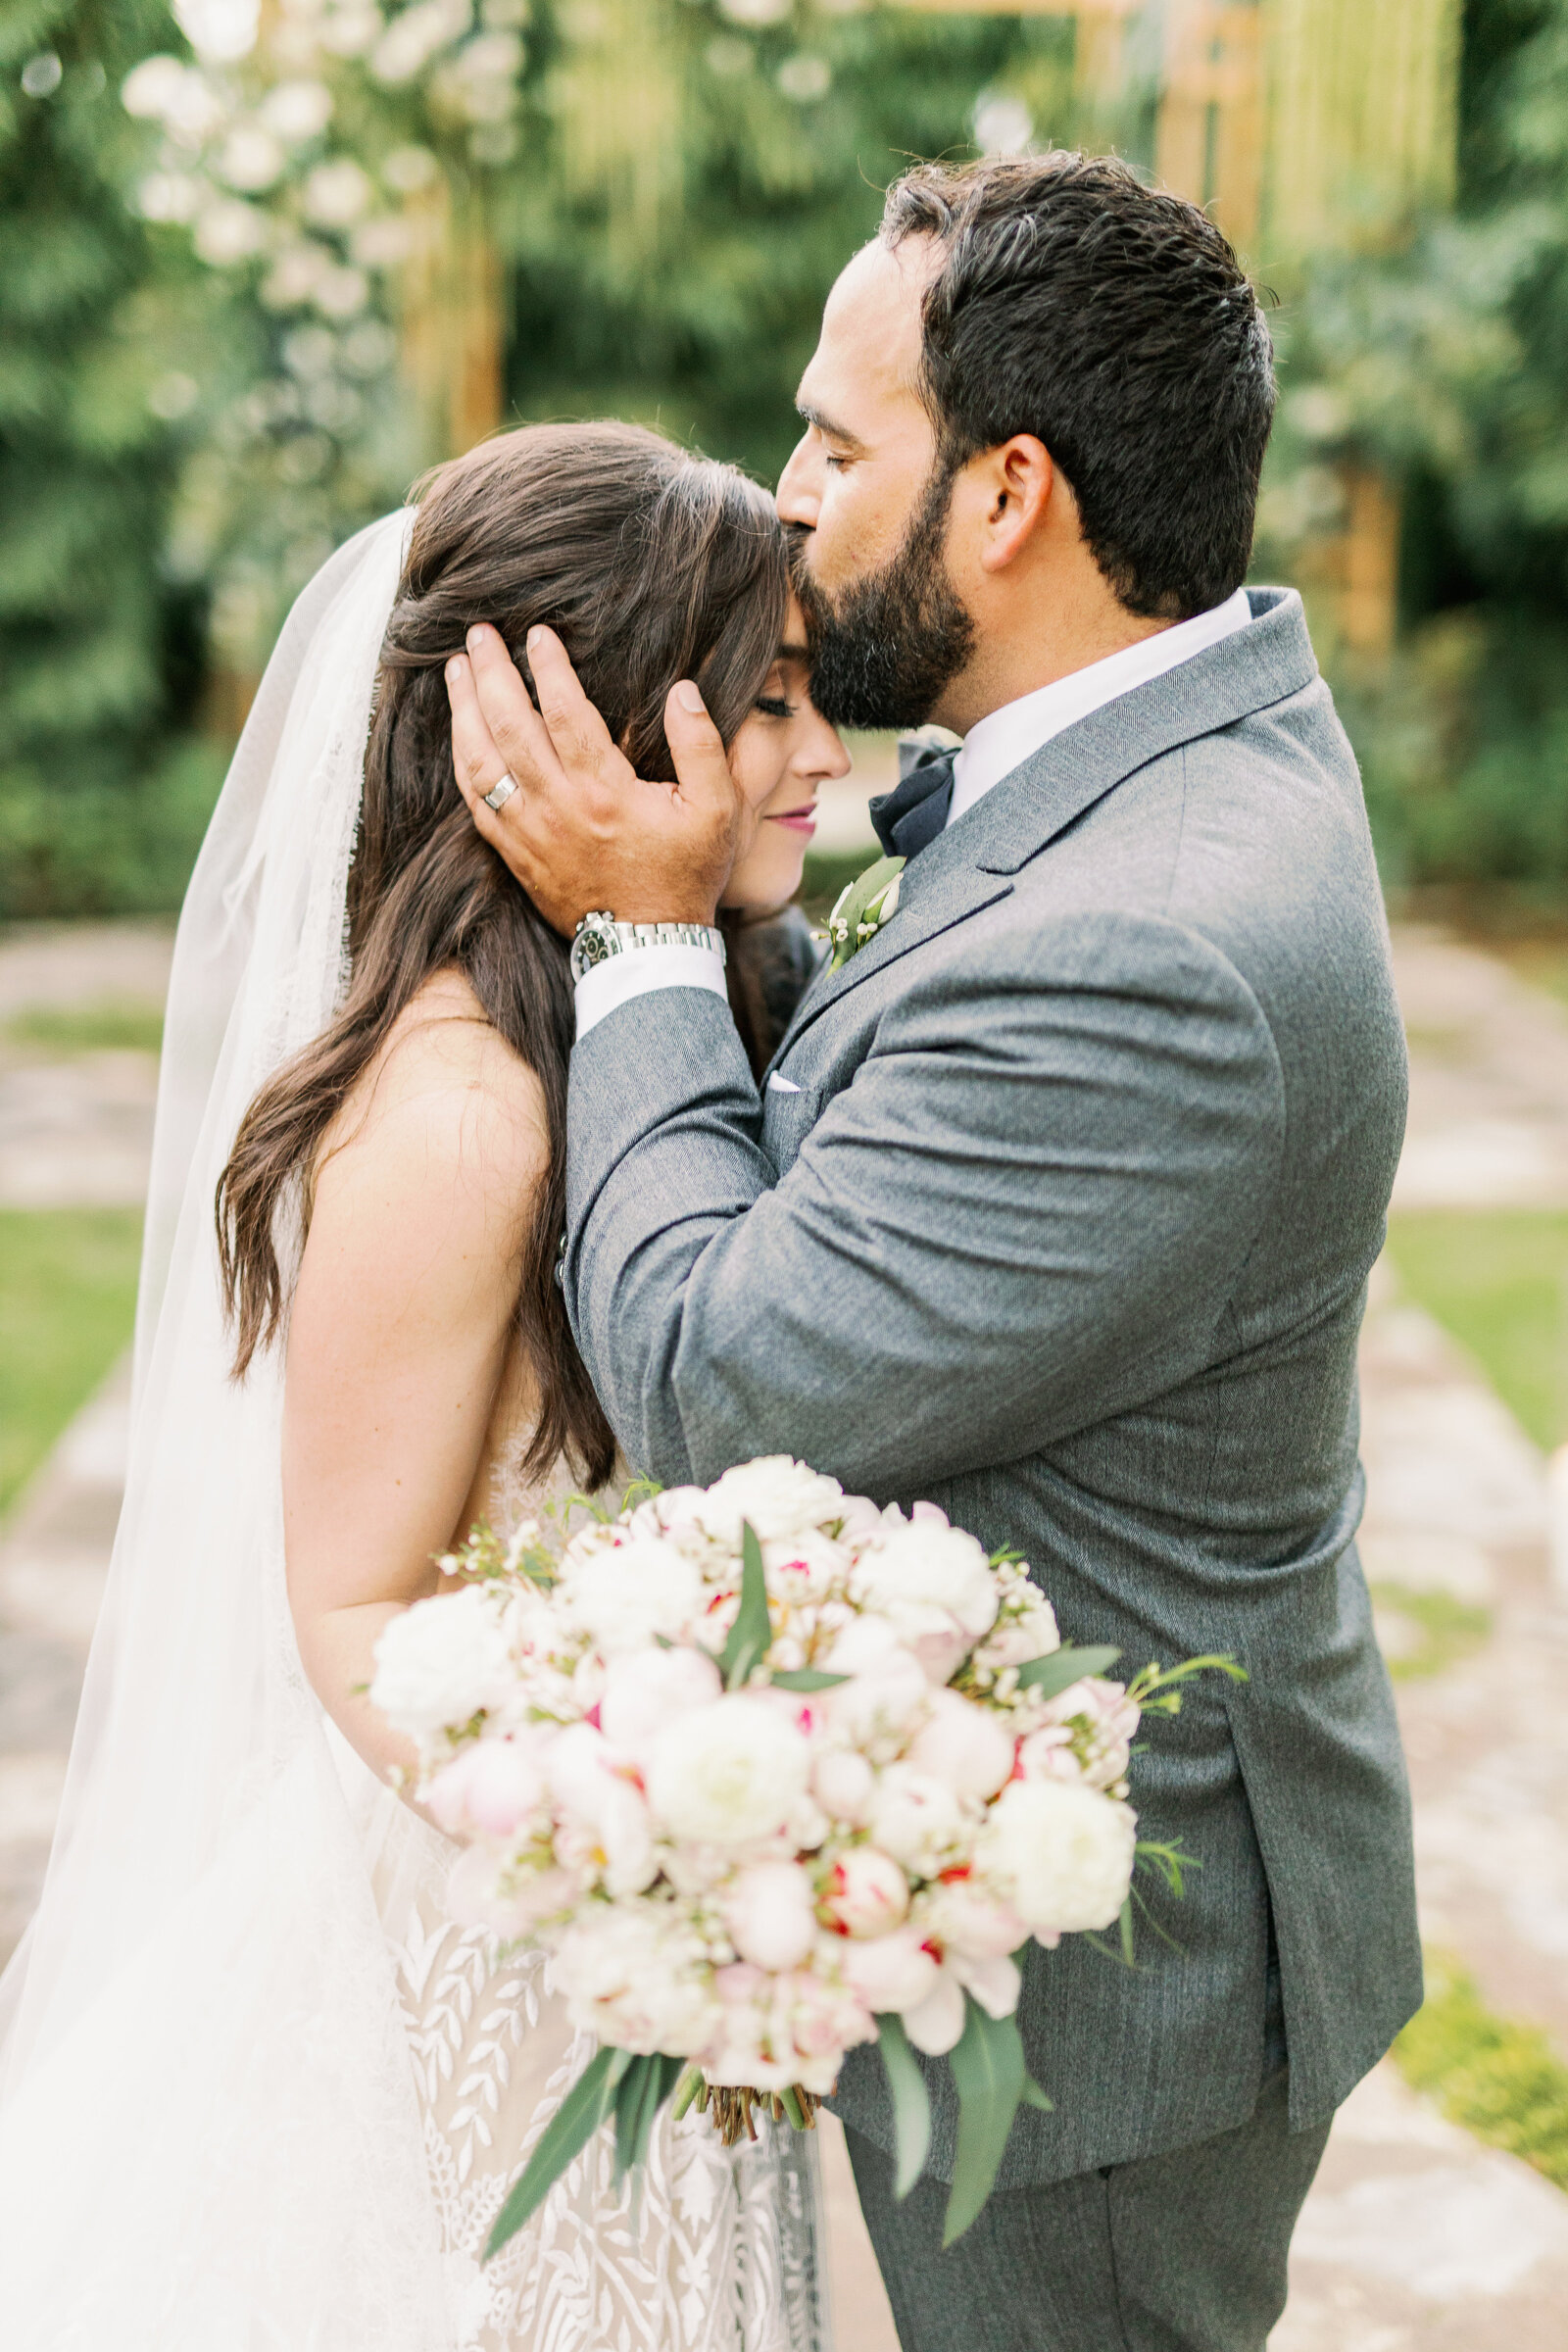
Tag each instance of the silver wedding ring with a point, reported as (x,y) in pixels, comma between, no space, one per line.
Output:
(499,794)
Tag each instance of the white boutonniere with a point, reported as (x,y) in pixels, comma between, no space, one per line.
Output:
(861,907)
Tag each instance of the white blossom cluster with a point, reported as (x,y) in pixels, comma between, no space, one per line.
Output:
(749,1875)
(253,161)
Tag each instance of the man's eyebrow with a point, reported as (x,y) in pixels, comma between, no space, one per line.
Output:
(826,424)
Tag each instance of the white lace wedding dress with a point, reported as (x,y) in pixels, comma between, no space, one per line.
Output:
(712,2250)
(257,2092)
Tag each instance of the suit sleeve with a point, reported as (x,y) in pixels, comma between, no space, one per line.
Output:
(1024,1213)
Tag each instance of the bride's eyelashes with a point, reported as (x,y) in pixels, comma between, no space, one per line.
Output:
(774,705)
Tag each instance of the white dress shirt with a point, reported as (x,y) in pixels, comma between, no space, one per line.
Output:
(992,748)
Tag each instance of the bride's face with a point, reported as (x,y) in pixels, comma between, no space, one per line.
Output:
(784,752)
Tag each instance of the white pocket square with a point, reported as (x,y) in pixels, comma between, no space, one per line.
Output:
(777,1085)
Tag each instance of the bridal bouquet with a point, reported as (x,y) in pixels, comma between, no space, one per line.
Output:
(770,1772)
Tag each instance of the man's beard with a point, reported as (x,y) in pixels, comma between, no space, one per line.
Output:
(884,648)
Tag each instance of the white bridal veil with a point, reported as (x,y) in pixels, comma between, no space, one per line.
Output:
(209,2137)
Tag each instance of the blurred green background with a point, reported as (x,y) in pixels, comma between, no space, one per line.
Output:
(248,290)
(267,260)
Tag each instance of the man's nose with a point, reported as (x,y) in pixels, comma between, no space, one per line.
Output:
(799,496)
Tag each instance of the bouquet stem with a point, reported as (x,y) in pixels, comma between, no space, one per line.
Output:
(732,2110)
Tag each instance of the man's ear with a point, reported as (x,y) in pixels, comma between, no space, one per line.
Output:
(1018,480)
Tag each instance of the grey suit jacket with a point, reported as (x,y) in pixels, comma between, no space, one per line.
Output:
(1067,1228)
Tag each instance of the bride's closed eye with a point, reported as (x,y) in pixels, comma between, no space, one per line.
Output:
(774,705)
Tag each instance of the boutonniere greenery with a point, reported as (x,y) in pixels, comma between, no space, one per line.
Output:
(861,907)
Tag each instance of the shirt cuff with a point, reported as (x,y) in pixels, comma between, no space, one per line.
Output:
(619,978)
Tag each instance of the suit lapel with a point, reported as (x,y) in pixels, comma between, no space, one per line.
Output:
(938,889)
(966,867)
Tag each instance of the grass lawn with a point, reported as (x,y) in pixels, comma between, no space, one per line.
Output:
(68,1297)
(1499,1281)
(1497,2076)
(62,1030)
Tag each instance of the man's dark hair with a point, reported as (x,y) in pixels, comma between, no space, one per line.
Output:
(1114,322)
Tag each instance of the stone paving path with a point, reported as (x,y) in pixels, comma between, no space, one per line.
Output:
(1416,2238)
(76,1130)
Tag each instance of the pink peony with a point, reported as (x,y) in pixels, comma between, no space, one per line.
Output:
(964,1916)
(864,1892)
(937,2025)
(894,1971)
(489,1788)
(995,1984)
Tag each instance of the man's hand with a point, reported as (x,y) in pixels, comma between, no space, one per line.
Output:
(583,831)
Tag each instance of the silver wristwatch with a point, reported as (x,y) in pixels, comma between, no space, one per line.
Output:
(600,936)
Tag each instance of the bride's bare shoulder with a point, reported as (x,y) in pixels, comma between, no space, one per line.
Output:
(446,1101)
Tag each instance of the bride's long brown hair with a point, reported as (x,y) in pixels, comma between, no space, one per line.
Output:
(652,565)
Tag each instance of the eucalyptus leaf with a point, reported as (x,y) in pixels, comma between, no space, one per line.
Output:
(808,1678)
(662,2078)
(584,2108)
(989,2074)
(1052,1675)
(912,2102)
(753,1629)
(628,2112)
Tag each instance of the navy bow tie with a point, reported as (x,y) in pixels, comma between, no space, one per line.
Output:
(915,811)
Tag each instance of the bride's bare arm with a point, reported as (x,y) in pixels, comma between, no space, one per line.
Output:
(398,1339)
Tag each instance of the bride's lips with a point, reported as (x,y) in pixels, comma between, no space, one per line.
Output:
(799,821)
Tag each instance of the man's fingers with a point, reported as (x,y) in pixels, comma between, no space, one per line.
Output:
(516,728)
(478,762)
(479,767)
(702,765)
(580,736)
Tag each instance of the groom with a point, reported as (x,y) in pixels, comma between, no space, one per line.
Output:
(1060,1200)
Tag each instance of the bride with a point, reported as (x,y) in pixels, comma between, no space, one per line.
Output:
(259,2091)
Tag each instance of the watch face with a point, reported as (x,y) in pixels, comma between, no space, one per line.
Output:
(593,948)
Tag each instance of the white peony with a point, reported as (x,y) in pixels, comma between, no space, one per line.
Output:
(887,1690)
(637,1977)
(729,1773)
(935,1584)
(646,1689)
(778,1497)
(1061,1854)
(627,1595)
(1025,1630)
(844,1784)
(805,1567)
(770,1915)
(967,1747)
(441,1662)
(916,1819)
